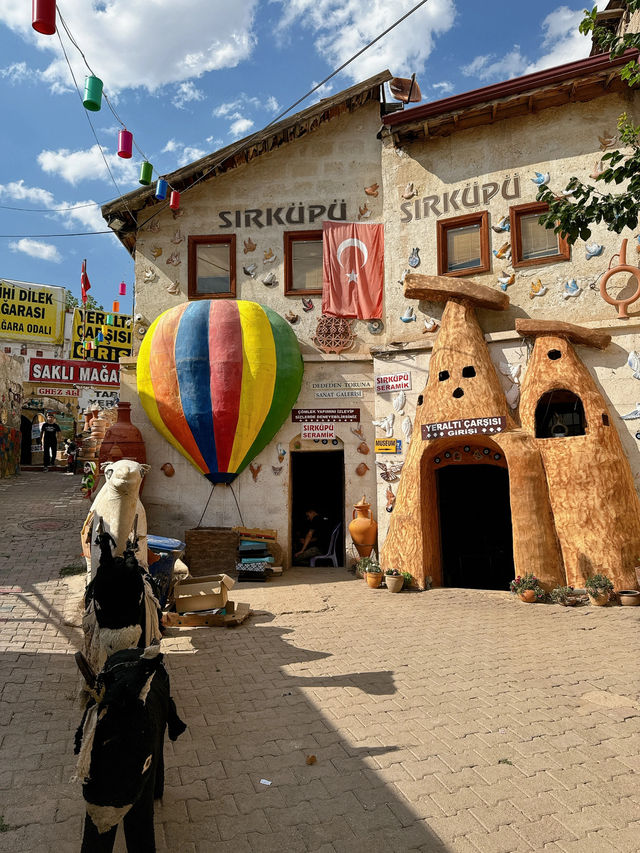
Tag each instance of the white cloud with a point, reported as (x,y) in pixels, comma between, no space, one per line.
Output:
(87,164)
(17,72)
(17,191)
(490,67)
(243,100)
(37,249)
(443,88)
(235,112)
(186,93)
(240,126)
(342,27)
(190,154)
(121,38)
(272,104)
(84,212)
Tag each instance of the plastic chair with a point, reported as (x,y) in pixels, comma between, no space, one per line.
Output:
(331,553)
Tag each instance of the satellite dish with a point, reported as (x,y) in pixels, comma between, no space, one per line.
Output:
(405,89)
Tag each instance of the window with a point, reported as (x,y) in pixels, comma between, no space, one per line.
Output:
(531,243)
(560,414)
(39,353)
(463,244)
(7,349)
(302,263)
(212,266)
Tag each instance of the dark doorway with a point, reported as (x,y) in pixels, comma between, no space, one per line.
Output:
(25,441)
(559,414)
(475,526)
(317,482)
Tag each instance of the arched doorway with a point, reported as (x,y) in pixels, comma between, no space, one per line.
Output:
(560,414)
(474,516)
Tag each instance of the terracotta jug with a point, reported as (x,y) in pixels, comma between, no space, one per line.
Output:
(363,528)
(127,437)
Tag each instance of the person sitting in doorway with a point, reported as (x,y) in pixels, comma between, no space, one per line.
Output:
(49,433)
(316,539)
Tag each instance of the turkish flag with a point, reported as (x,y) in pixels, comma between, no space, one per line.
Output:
(84,283)
(352,270)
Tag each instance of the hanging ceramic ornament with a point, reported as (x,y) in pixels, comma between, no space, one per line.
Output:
(281,452)
(122,290)
(541,178)
(174,200)
(125,144)
(43,16)
(409,191)
(269,279)
(593,250)
(375,326)
(178,237)
(116,307)
(92,100)
(389,471)
(503,225)
(173,288)
(110,320)
(513,396)
(414,258)
(161,189)
(146,173)
(255,470)
(430,325)
(277,470)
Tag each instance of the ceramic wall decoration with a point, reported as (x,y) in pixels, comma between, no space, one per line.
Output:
(333,334)
(408,316)
(593,250)
(505,280)
(634,363)
(277,469)
(430,325)
(156,251)
(178,237)
(571,289)
(363,528)
(407,429)
(503,225)
(537,289)
(409,191)
(504,252)
(255,470)
(399,402)
(372,190)
(363,448)
(607,140)
(177,213)
(375,327)
(153,226)
(513,396)
(541,178)
(363,212)
(269,257)
(173,288)
(414,258)
(622,267)
(174,259)
(307,304)
(249,246)
(362,469)
(291,317)
(269,279)
(512,371)
(391,499)
(385,424)
(405,273)
(167,469)
(149,275)
(250,270)
(390,471)
(357,431)
(281,452)
(632,416)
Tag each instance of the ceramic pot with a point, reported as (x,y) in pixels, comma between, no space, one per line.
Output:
(394,584)
(363,529)
(600,599)
(374,579)
(629,597)
(528,595)
(126,436)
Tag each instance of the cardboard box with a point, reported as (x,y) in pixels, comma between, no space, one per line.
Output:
(204,593)
(235,615)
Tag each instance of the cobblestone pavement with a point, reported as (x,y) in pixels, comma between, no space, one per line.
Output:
(457,721)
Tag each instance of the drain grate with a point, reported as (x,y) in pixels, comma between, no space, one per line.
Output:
(47,524)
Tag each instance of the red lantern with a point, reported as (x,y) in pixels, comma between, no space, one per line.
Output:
(43,16)
(116,307)
(174,200)
(123,289)
(125,144)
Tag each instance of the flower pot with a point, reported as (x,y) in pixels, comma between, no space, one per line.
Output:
(599,599)
(374,579)
(528,595)
(629,597)
(363,529)
(394,583)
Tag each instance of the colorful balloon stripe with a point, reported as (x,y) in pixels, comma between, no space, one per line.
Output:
(217,379)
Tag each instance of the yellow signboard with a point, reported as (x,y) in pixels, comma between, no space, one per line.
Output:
(88,325)
(32,312)
(388,445)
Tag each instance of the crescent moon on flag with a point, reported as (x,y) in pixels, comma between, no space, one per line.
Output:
(352,242)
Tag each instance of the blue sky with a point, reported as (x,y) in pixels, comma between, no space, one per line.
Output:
(190,76)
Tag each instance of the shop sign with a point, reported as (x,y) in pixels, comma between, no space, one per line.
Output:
(289,214)
(325,416)
(388,445)
(32,313)
(117,337)
(73,372)
(467,426)
(342,384)
(314,432)
(393,382)
(348,393)
(58,392)
(460,199)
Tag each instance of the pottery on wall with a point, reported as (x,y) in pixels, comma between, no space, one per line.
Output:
(363,529)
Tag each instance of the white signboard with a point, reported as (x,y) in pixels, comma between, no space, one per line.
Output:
(325,394)
(393,382)
(57,392)
(344,384)
(317,431)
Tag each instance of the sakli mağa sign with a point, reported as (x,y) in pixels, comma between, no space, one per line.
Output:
(466,426)
(74,372)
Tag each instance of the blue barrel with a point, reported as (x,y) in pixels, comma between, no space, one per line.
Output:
(168,550)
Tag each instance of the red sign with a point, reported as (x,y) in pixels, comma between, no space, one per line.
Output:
(58,391)
(325,416)
(465,426)
(317,431)
(74,372)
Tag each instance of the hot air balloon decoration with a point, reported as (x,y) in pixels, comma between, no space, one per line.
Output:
(218,378)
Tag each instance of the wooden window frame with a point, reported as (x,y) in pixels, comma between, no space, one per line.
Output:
(192,258)
(291,237)
(515,213)
(480,218)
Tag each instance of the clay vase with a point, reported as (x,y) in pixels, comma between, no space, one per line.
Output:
(363,528)
(394,582)
(374,579)
(528,595)
(599,600)
(126,436)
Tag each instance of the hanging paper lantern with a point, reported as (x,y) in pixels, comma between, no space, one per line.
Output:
(146,173)
(105,330)
(161,189)
(123,288)
(116,307)
(110,320)
(43,16)
(218,378)
(100,337)
(92,94)
(174,200)
(125,144)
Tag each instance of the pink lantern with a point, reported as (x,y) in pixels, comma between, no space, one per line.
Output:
(116,307)
(125,144)
(174,200)
(123,289)
(43,16)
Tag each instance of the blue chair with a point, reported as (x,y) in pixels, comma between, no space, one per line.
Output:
(331,553)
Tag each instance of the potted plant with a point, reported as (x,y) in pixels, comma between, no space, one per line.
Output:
(598,588)
(363,564)
(564,595)
(407,577)
(373,574)
(394,580)
(527,588)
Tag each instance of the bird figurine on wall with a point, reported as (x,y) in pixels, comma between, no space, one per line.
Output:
(571,288)
(593,250)
(408,316)
(391,499)
(281,452)
(389,471)
(363,212)
(430,325)
(255,470)
(504,251)
(153,226)
(178,237)
(505,280)
(269,279)
(407,429)
(399,402)
(173,288)
(249,246)
(598,169)
(513,396)
(156,251)
(541,178)
(277,470)
(174,259)
(372,190)
(307,304)
(607,140)
(537,289)
(407,271)
(269,257)
(409,191)
(503,225)
(291,317)
(250,270)
(634,363)
(385,424)
(638,244)
(357,431)
(150,275)
(414,258)
(632,416)
(177,213)
(511,370)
